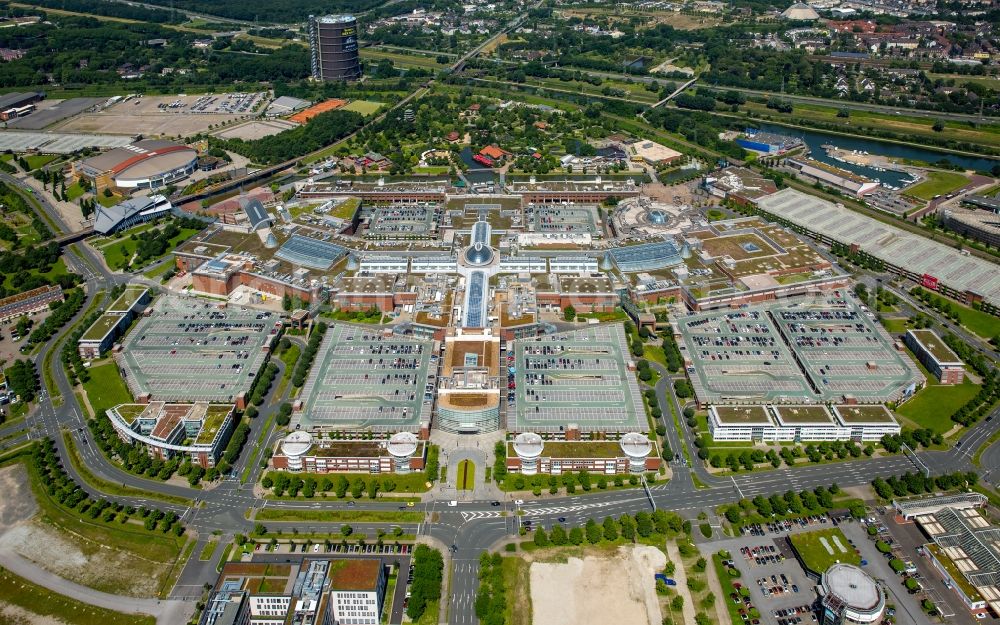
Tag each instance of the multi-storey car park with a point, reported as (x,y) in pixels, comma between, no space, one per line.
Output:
(797,352)
(187,350)
(367,379)
(574,382)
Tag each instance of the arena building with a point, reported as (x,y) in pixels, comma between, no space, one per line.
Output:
(403,452)
(850,596)
(146,164)
(530,454)
(199,431)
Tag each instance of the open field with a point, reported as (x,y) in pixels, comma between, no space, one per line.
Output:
(365,107)
(401,58)
(144,116)
(938,183)
(107,557)
(595,590)
(106,389)
(823,548)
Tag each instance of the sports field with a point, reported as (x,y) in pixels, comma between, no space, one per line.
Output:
(365,107)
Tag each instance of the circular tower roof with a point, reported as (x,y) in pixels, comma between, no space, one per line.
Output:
(636,445)
(861,596)
(402,444)
(528,445)
(479,254)
(296,444)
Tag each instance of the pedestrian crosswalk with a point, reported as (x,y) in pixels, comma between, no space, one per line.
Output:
(547,511)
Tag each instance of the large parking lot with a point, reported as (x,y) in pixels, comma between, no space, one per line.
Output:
(805,351)
(779,588)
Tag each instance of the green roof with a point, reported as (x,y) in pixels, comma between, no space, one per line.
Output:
(934,346)
(127,299)
(215,416)
(349,449)
(100,328)
(740,415)
(792,415)
(864,414)
(577,449)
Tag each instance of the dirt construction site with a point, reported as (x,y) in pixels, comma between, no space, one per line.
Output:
(616,588)
(166,116)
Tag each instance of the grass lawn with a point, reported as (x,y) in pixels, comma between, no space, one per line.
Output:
(290,356)
(654,353)
(158,271)
(466,475)
(40,605)
(814,552)
(39,160)
(938,183)
(118,251)
(516,581)
(983,324)
(74,191)
(347,208)
(339,516)
(208,550)
(108,202)
(105,388)
(895,326)
(431,169)
(365,107)
(934,404)
(726,582)
(58,269)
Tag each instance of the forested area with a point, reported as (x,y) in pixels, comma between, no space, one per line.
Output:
(78,51)
(23,268)
(278,11)
(320,131)
(115,9)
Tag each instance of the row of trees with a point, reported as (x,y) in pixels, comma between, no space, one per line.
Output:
(67,493)
(320,131)
(571,481)
(918,484)
(282,483)
(308,355)
(790,503)
(262,384)
(62,312)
